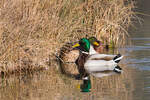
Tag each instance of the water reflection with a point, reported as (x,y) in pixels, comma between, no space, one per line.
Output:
(100,74)
(52,85)
(86,85)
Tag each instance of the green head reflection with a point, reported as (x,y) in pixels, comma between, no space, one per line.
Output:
(86,86)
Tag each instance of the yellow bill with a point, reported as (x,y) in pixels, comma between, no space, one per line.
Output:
(96,43)
(76,45)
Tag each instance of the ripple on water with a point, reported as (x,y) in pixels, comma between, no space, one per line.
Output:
(141,38)
(140,48)
(147,44)
(141,64)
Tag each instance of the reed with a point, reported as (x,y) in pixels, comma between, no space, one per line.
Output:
(32,32)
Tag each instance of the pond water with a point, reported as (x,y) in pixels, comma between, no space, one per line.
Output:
(132,84)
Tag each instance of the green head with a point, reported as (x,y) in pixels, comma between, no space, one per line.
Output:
(84,44)
(94,41)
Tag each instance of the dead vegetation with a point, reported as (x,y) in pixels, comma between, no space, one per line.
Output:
(32,31)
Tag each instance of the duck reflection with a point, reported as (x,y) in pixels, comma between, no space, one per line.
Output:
(86,85)
(117,70)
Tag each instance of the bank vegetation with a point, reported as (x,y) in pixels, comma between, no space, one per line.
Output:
(33,31)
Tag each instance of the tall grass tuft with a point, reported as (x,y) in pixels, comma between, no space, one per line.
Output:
(32,31)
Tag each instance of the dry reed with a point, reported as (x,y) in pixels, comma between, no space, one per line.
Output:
(31,32)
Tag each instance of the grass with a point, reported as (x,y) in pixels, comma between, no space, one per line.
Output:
(32,32)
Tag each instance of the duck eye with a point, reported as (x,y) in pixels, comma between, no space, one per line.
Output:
(82,43)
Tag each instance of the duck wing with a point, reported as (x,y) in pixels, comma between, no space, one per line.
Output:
(99,65)
(80,63)
(102,57)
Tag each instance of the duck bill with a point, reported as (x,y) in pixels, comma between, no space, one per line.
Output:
(96,43)
(76,45)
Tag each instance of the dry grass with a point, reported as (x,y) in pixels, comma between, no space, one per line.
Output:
(32,31)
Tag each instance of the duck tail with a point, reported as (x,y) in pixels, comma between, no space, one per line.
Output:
(117,58)
(117,69)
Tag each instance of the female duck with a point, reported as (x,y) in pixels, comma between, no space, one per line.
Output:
(67,57)
(96,62)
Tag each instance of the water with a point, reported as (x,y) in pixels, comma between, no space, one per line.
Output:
(132,84)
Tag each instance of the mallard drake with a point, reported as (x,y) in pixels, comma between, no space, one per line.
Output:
(98,45)
(68,55)
(96,62)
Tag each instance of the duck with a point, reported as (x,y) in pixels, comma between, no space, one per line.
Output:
(69,55)
(66,59)
(96,62)
(98,45)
